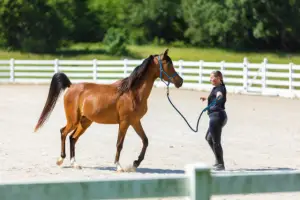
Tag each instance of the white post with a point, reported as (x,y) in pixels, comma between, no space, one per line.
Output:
(200,181)
(12,70)
(180,67)
(291,71)
(223,69)
(56,64)
(95,69)
(200,71)
(263,77)
(125,67)
(245,74)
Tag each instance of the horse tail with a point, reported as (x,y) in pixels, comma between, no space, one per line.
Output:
(59,83)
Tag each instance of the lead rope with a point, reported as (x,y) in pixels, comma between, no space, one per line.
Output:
(167,84)
(205,109)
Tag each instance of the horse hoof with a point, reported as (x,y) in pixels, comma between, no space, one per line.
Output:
(60,161)
(130,169)
(76,166)
(120,170)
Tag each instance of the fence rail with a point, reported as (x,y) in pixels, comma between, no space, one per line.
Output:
(262,78)
(197,183)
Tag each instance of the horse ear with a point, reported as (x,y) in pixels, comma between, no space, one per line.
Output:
(166,52)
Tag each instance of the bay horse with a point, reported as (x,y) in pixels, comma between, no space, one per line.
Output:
(123,102)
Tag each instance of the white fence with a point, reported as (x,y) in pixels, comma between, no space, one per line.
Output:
(198,183)
(259,78)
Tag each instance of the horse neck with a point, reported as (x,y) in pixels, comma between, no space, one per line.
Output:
(146,87)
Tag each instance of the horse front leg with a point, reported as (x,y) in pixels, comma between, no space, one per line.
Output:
(140,131)
(123,127)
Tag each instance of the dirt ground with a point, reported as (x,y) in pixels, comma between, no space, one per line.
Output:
(262,133)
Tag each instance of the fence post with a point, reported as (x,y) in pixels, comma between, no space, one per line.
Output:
(223,69)
(264,71)
(180,67)
(56,65)
(125,67)
(200,181)
(200,71)
(95,69)
(12,70)
(291,71)
(245,74)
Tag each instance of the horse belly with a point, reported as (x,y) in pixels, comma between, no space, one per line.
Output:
(106,116)
(100,111)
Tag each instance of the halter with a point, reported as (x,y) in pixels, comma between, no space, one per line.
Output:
(161,69)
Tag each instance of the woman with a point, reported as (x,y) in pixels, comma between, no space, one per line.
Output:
(217,117)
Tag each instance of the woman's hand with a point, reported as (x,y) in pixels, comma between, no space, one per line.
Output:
(202,98)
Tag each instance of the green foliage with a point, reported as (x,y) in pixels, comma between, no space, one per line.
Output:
(44,25)
(81,22)
(158,19)
(116,40)
(243,24)
(29,27)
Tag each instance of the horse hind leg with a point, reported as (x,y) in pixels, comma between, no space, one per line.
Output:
(72,117)
(81,128)
(64,132)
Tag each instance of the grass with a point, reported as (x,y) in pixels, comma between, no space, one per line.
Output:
(217,55)
(88,51)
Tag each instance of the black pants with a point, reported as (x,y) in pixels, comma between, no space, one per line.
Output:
(217,120)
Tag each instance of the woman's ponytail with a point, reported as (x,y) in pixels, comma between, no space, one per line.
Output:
(219,74)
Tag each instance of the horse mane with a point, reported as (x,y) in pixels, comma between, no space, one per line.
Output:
(136,76)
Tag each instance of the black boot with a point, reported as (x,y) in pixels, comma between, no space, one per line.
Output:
(218,167)
(210,142)
(219,157)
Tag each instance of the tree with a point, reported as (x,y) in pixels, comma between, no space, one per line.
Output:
(31,26)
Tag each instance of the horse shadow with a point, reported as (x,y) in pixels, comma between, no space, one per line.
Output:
(142,170)
(178,171)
